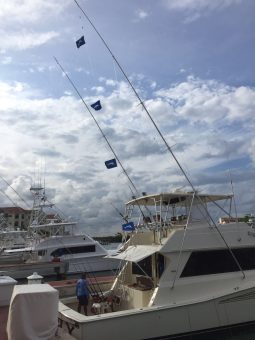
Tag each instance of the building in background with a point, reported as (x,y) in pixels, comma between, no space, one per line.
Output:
(16,217)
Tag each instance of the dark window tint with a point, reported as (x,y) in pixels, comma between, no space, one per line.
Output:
(74,250)
(142,267)
(218,261)
(160,264)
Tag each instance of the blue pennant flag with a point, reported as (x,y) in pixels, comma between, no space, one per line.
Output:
(96,106)
(112,163)
(80,42)
(128,226)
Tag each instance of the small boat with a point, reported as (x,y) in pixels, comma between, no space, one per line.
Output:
(183,273)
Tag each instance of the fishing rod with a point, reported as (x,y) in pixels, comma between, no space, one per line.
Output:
(158,130)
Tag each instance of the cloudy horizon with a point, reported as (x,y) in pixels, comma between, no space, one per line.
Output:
(190,61)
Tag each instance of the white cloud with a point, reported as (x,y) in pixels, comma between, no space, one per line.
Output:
(210,100)
(25,11)
(68,93)
(24,40)
(205,121)
(153,85)
(26,24)
(98,89)
(194,9)
(200,5)
(6,60)
(141,14)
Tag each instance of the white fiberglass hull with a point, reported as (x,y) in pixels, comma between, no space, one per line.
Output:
(157,322)
(23,270)
(91,264)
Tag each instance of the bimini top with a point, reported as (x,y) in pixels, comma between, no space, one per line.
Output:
(176,198)
(135,253)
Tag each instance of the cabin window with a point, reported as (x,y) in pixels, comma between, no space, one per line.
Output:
(218,261)
(73,250)
(160,264)
(142,267)
(41,252)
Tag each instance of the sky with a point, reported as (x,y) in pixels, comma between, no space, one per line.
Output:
(192,63)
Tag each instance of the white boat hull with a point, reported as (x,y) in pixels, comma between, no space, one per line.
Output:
(92,264)
(157,322)
(22,271)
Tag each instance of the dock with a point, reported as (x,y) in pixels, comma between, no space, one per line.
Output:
(66,288)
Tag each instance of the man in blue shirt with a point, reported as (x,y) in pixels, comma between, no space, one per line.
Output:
(82,293)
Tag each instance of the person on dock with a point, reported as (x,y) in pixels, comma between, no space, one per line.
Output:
(82,293)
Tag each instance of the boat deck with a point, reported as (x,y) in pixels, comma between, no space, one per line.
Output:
(62,333)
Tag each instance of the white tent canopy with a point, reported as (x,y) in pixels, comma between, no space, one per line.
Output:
(136,253)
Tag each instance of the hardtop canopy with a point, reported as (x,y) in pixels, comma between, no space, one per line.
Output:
(180,198)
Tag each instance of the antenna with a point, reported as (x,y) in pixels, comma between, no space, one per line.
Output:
(232,189)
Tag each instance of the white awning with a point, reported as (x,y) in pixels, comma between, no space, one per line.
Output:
(135,253)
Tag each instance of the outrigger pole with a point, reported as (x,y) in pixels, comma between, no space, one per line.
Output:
(96,122)
(104,136)
(137,95)
(158,130)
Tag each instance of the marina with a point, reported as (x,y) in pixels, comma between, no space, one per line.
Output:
(183,262)
(177,268)
(51,246)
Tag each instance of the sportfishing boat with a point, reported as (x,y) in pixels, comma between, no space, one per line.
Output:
(53,246)
(183,272)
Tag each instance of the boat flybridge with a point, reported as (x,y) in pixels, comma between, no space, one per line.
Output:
(54,246)
(183,272)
